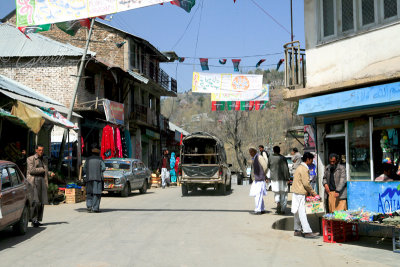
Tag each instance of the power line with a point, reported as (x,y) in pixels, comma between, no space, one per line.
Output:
(198,30)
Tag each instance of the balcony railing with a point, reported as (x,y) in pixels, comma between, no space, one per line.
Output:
(159,76)
(145,115)
(295,65)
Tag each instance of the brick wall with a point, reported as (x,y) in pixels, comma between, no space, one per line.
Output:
(55,79)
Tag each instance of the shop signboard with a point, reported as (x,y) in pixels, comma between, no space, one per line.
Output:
(114,112)
(381,197)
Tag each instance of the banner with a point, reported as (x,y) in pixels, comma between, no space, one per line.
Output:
(217,82)
(250,95)
(114,112)
(38,12)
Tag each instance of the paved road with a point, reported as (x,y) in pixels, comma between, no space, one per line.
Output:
(161,228)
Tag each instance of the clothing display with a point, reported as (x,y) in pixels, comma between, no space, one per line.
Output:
(172,166)
(107,143)
(118,143)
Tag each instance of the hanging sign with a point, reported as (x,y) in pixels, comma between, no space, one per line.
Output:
(249,95)
(114,112)
(38,12)
(217,82)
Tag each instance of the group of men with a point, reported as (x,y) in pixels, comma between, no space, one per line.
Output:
(334,182)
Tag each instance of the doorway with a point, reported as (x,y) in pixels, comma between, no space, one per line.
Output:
(336,145)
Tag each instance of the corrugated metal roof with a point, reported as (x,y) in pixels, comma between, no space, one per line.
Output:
(18,91)
(138,77)
(174,127)
(15,44)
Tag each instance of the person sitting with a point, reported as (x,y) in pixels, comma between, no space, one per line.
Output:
(384,177)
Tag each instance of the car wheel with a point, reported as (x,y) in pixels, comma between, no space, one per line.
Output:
(222,189)
(21,227)
(126,190)
(143,190)
(184,190)
(229,187)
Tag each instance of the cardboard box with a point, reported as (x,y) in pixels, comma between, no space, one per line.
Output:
(315,207)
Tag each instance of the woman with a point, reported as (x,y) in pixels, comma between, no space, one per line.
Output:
(172,165)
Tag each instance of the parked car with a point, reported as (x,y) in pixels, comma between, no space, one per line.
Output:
(124,175)
(16,199)
(204,164)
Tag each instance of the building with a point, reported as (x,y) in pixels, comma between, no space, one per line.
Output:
(347,82)
(132,77)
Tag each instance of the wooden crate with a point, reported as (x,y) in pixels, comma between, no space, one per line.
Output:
(71,199)
(75,195)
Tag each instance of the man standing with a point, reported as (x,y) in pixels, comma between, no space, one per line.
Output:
(263,152)
(258,188)
(279,179)
(94,168)
(335,184)
(301,186)
(37,176)
(164,167)
(296,158)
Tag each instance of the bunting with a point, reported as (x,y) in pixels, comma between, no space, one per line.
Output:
(204,64)
(260,62)
(236,63)
(239,105)
(185,4)
(73,26)
(181,59)
(222,61)
(279,64)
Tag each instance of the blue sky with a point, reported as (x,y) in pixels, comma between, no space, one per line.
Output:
(222,28)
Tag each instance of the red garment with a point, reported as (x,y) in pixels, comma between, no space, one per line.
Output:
(164,163)
(118,143)
(177,165)
(107,143)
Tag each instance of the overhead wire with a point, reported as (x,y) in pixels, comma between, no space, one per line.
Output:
(269,15)
(198,31)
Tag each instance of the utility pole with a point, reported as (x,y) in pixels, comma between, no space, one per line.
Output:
(291,19)
(78,79)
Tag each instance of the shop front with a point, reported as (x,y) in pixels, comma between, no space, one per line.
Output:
(362,126)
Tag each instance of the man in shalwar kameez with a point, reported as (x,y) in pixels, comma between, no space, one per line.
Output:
(258,188)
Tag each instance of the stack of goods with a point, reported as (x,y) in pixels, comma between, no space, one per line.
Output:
(74,193)
(314,205)
(155,180)
(351,216)
(391,219)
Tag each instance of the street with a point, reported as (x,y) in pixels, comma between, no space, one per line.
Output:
(161,228)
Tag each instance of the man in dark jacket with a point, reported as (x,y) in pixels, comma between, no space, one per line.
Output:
(164,167)
(335,184)
(94,168)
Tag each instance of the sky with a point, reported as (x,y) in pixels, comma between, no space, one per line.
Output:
(213,29)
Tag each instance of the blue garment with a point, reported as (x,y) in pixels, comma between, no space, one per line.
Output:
(172,165)
(128,142)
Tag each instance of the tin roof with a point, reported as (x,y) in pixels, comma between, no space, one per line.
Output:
(15,44)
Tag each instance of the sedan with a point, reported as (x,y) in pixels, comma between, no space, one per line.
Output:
(16,198)
(124,175)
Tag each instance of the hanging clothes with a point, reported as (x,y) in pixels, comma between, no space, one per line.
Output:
(177,166)
(172,165)
(118,143)
(124,147)
(107,143)
(128,142)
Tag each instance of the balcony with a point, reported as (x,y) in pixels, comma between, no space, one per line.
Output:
(164,123)
(144,115)
(295,66)
(159,76)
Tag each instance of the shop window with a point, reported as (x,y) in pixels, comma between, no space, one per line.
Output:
(335,128)
(359,149)
(347,15)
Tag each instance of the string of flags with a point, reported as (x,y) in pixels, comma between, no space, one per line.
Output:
(238,105)
(236,62)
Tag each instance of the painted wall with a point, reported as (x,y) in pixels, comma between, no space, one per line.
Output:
(382,197)
(370,56)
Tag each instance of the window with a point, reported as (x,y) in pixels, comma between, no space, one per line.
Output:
(367,12)
(347,15)
(342,17)
(5,179)
(328,11)
(359,153)
(133,53)
(389,8)
(15,179)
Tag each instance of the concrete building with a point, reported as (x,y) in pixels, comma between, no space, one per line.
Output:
(347,82)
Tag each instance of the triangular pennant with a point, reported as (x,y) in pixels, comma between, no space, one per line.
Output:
(242,105)
(222,61)
(257,105)
(73,26)
(32,29)
(259,63)
(237,105)
(181,59)
(236,63)
(251,105)
(213,105)
(185,4)
(229,105)
(279,64)
(204,63)
(221,105)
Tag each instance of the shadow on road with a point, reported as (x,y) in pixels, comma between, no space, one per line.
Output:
(164,210)
(8,239)
(117,195)
(207,193)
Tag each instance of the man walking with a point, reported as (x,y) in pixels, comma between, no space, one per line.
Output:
(258,188)
(335,184)
(296,158)
(164,167)
(263,152)
(301,186)
(279,179)
(94,168)
(37,176)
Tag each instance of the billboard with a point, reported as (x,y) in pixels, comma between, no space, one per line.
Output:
(114,112)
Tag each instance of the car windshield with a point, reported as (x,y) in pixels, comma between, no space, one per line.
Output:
(117,166)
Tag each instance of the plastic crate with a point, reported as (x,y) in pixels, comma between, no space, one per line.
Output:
(338,231)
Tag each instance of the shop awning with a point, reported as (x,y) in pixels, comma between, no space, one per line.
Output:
(358,99)
(53,116)
(7,115)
